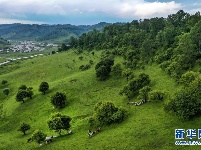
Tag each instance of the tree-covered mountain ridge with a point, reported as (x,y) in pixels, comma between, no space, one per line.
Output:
(45,32)
(173,42)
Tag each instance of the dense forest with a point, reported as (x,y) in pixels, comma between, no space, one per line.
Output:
(173,43)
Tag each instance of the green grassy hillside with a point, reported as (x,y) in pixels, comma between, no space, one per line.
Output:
(147,126)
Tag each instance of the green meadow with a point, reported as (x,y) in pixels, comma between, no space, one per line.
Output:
(146,127)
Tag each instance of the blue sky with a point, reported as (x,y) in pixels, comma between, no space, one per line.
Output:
(79,12)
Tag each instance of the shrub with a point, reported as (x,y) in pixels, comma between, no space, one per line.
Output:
(184,106)
(117,70)
(144,92)
(144,79)
(132,88)
(22,87)
(127,73)
(119,116)
(85,67)
(156,95)
(6,91)
(24,127)
(188,77)
(102,73)
(4,82)
(81,67)
(38,136)
(186,103)
(81,58)
(91,62)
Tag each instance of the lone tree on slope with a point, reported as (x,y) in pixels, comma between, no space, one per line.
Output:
(24,127)
(6,91)
(44,86)
(38,136)
(22,94)
(59,122)
(4,82)
(59,100)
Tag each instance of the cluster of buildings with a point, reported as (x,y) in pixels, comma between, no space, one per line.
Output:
(10,60)
(24,47)
(27,47)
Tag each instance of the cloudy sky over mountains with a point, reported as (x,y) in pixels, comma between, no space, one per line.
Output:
(88,11)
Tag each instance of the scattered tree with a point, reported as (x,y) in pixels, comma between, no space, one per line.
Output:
(103,68)
(6,91)
(106,113)
(59,122)
(157,95)
(186,103)
(22,94)
(188,77)
(4,82)
(133,87)
(143,93)
(29,92)
(184,106)
(44,86)
(127,73)
(85,67)
(22,87)
(102,73)
(38,136)
(81,58)
(63,47)
(117,70)
(144,79)
(24,127)
(59,100)
(91,62)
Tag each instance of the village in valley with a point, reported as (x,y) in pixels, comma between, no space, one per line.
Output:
(24,47)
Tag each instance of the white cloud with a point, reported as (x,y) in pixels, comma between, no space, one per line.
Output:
(10,21)
(116,8)
(147,9)
(193,8)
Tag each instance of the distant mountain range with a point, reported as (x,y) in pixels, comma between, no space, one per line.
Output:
(44,32)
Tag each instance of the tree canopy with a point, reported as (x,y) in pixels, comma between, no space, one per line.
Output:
(106,113)
(59,122)
(23,93)
(187,102)
(38,136)
(24,127)
(59,100)
(44,86)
